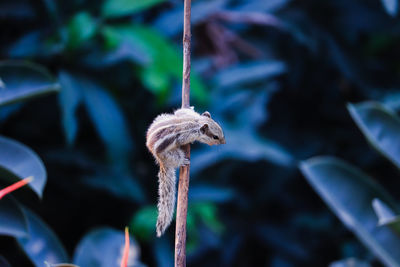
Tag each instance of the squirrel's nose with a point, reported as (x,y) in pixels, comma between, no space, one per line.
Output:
(223,141)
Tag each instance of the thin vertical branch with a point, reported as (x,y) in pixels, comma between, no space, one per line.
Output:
(183,188)
(187,36)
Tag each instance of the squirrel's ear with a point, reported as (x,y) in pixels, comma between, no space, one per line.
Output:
(204,128)
(207,114)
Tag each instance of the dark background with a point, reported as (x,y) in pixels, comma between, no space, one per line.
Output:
(276,74)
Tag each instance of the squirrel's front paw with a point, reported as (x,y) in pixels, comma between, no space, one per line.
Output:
(186,162)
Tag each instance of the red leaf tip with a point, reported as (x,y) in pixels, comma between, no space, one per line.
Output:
(15,186)
(125,256)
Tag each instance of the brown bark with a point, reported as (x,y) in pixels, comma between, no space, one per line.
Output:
(183,188)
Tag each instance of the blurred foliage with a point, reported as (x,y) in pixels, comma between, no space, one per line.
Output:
(103,247)
(81,80)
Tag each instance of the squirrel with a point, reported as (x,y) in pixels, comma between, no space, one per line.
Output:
(164,139)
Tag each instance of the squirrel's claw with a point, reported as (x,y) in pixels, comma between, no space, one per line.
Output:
(186,162)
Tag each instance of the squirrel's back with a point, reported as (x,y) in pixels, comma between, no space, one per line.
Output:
(166,127)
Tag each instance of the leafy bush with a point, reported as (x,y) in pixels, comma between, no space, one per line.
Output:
(276,74)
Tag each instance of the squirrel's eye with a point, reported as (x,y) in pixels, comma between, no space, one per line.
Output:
(215,137)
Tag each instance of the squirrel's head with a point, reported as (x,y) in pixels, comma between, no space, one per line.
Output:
(210,131)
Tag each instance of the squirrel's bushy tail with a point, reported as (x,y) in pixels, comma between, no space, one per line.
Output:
(166,201)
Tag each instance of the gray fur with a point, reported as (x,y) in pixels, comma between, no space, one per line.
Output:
(165,136)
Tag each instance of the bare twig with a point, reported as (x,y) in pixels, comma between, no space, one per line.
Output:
(187,36)
(183,188)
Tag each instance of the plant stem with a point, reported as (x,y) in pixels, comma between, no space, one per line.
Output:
(183,188)
(187,35)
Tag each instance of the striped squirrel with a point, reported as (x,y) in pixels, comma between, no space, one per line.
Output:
(164,139)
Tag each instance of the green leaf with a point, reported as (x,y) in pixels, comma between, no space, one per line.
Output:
(163,66)
(207,213)
(349,193)
(42,244)
(18,162)
(20,80)
(80,28)
(157,81)
(13,221)
(197,88)
(159,50)
(118,8)
(380,126)
(103,247)
(143,223)
(386,215)
(112,39)
(192,230)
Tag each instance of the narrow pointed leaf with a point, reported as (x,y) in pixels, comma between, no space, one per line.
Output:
(70,97)
(108,120)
